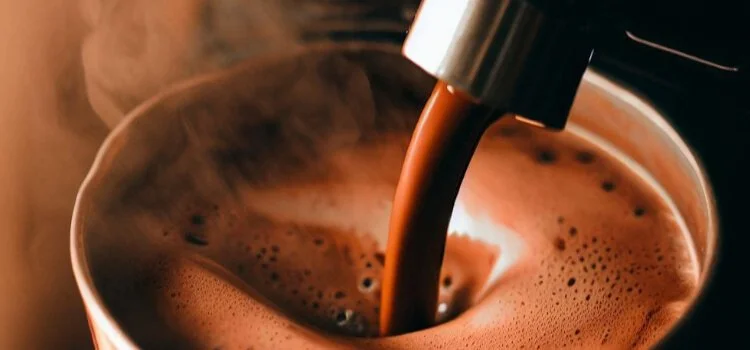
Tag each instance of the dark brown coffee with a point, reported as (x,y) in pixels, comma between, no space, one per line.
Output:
(556,241)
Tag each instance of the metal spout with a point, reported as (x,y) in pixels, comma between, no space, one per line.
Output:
(508,54)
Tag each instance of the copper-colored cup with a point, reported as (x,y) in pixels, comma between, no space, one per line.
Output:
(175,135)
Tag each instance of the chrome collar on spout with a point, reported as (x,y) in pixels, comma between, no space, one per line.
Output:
(508,54)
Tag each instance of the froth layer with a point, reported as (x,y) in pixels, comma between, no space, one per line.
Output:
(321,276)
(602,260)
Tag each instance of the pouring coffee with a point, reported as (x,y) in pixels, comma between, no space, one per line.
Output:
(227,231)
(241,223)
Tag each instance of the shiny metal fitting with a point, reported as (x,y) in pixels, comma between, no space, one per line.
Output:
(508,54)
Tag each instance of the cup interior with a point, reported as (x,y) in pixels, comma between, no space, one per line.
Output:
(270,122)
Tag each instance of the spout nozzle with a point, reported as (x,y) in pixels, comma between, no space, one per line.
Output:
(507,54)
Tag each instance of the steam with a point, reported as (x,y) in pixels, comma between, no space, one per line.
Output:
(68,65)
(48,138)
(138,47)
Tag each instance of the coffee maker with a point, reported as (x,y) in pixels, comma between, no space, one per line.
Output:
(512,54)
(690,59)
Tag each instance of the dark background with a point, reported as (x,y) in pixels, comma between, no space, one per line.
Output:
(711,109)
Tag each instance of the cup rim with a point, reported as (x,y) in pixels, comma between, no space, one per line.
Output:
(104,321)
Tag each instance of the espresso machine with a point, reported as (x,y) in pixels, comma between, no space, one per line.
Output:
(690,59)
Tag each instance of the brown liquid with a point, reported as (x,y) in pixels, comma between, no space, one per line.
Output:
(555,240)
(590,256)
(444,141)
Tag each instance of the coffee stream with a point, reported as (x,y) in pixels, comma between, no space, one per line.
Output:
(444,141)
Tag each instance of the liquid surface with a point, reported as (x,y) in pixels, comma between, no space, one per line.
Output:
(555,244)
